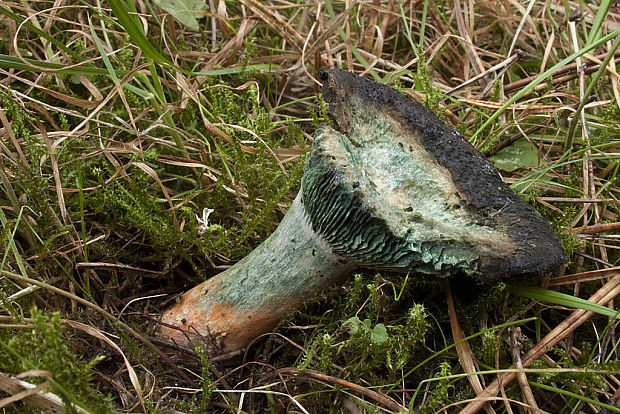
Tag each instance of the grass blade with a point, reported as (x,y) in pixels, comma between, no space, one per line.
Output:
(20,20)
(593,82)
(562,299)
(579,397)
(12,62)
(542,78)
(599,19)
(119,8)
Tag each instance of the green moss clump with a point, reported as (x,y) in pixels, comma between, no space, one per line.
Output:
(44,347)
(368,343)
(440,394)
(424,84)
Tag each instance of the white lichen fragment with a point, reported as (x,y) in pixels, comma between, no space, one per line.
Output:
(203,222)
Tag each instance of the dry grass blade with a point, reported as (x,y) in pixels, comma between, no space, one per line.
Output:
(83,103)
(9,131)
(526,390)
(32,396)
(61,199)
(331,29)
(229,50)
(121,267)
(375,396)
(466,356)
(130,371)
(502,65)
(474,59)
(276,22)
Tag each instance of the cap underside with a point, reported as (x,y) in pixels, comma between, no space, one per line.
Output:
(390,186)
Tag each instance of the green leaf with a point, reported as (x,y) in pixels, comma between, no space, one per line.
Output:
(185,11)
(366,325)
(562,299)
(354,323)
(13,62)
(520,154)
(379,334)
(132,26)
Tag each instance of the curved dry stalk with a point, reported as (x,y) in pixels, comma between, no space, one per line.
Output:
(466,356)
(375,396)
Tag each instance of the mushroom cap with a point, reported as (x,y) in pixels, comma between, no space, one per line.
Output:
(390,186)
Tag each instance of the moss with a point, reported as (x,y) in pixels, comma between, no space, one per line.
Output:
(200,402)
(251,193)
(319,116)
(22,126)
(424,84)
(581,379)
(440,390)
(368,342)
(45,348)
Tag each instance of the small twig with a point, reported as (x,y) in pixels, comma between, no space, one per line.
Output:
(584,277)
(31,395)
(597,228)
(515,341)
(378,397)
(466,358)
(594,259)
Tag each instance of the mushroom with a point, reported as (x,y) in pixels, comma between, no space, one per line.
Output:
(389,187)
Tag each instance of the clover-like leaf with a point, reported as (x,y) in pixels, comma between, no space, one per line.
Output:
(379,334)
(520,154)
(354,324)
(185,11)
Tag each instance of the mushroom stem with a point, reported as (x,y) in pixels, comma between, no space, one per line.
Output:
(229,310)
